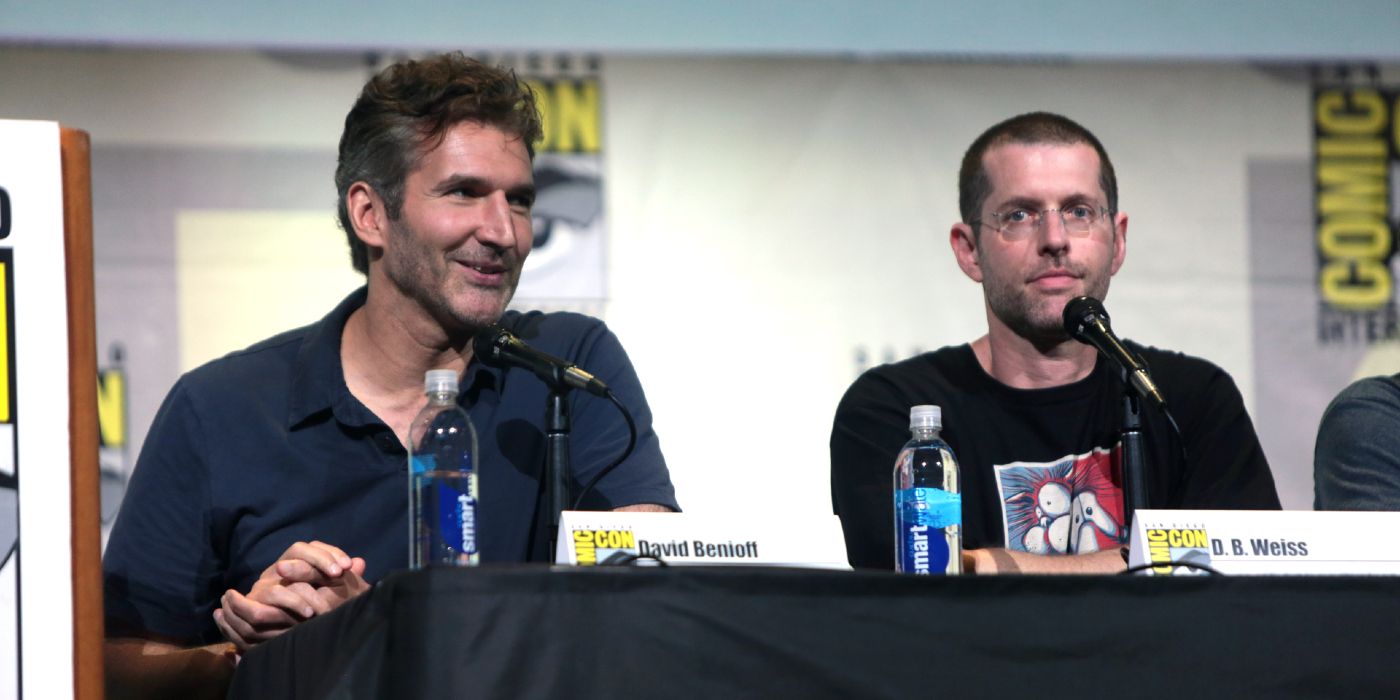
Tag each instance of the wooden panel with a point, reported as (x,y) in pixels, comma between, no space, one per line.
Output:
(82,383)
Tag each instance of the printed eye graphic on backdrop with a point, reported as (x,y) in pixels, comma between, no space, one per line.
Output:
(567,209)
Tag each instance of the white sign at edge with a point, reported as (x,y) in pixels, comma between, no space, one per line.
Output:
(31,173)
(1246,542)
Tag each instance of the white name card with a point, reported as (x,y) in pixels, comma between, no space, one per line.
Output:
(588,538)
(1250,542)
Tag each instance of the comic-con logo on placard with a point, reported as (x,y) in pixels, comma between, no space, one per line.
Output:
(592,547)
(1356,155)
(1172,548)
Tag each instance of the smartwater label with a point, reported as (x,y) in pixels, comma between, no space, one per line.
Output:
(457,513)
(421,463)
(922,515)
(930,506)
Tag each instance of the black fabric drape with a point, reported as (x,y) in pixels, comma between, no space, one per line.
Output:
(528,632)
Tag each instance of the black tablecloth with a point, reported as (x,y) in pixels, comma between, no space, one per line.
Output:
(525,632)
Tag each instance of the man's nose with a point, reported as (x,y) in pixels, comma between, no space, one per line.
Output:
(1053,236)
(498,224)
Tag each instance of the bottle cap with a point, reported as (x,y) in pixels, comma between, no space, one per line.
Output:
(440,380)
(925,417)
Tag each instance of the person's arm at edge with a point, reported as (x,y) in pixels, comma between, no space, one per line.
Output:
(644,508)
(996,560)
(1228,470)
(144,663)
(1357,449)
(146,668)
(644,476)
(869,426)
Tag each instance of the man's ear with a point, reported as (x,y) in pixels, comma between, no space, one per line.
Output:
(1120,242)
(367,214)
(964,243)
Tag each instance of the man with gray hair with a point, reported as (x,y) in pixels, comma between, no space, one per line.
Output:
(272,485)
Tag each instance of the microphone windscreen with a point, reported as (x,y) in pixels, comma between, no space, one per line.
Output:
(487,344)
(1078,311)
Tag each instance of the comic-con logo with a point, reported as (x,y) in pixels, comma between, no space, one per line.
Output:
(594,546)
(1172,548)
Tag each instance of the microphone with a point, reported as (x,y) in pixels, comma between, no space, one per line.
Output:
(1087,322)
(499,347)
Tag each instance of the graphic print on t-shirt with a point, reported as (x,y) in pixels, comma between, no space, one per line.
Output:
(1067,506)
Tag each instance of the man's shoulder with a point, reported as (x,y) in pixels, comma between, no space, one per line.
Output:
(917,375)
(1370,399)
(950,359)
(566,334)
(548,324)
(1372,389)
(276,358)
(1187,378)
(256,365)
(1162,362)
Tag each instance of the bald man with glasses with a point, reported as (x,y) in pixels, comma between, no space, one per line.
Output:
(1033,415)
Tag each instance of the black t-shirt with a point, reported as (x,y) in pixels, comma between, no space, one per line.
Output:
(1040,467)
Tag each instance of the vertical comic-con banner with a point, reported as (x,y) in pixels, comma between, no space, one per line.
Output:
(112,452)
(568,266)
(1356,149)
(36,601)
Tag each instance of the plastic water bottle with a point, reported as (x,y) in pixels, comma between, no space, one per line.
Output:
(442,485)
(927,502)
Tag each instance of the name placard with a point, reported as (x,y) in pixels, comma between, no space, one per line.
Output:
(1253,542)
(588,538)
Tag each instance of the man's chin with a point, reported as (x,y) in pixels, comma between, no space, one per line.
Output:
(485,301)
(480,315)
(473,322)
(1043,330)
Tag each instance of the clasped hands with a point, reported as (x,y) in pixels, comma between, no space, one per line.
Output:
(309,579)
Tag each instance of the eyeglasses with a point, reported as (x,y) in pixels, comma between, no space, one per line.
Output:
(1077,220)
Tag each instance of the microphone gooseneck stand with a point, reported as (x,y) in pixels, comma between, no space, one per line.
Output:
(557,426)
(499,347)
(1086,320)
(1134,458)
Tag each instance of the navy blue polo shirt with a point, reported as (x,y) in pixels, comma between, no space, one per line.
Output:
(266,447)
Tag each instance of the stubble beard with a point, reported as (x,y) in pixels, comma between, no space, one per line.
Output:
(1015,310)
(427,280)
(1042,324)
(1039,319)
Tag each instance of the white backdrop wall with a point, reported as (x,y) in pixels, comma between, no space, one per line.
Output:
(773,224)
(795,211)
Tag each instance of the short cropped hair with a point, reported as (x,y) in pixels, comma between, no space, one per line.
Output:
(1033,128)
(404,112)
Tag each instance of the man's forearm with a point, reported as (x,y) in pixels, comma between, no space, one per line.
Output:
(644,508)
(1006,561)
(142,668)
